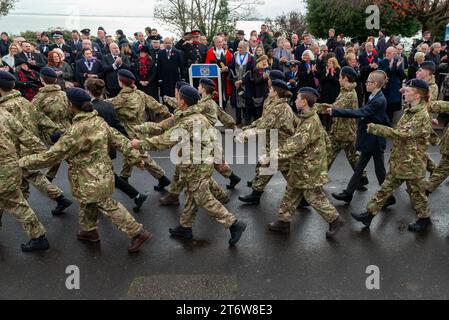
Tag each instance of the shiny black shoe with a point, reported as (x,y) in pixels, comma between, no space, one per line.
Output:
(344,196)
(234,180)
(62,204)
(364,218)
(390,202)
(253,198)
(139,200)
(38,244)
(163,182)
(181,232)
(236,230)
(420,225)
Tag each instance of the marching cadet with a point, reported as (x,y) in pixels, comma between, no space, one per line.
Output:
(12,200)
(85,146)
(208,108)
(130,105)
(197,172)
(280,117)
(408,156)
(52,102)
(305,153)
(37,123)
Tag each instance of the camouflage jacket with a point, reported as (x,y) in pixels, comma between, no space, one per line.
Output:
(85,147)
(307,153)
(208,108)
(433,87)
(344,129)
(267,106)
(410,140)
(442,107)
(24,111)
(12,135)
(191,126)
(53,102)
(171,102)
(131,105)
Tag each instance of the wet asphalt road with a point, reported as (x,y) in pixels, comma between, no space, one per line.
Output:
(303,265)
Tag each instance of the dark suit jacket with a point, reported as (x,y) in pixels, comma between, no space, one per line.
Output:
(299,51)
(81,69)
(102,46)
(39,58)
(365,69)
(110,74)
(66,49)
(169,71)
(75,49)
(372,112)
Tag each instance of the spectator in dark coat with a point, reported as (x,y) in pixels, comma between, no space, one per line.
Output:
(340,49)
(146,73)
(27,79)
(112,63)
(394,68)
(331,41)
(233,45)
(273,62)
(329,88)
(59,44)
(260,77)
(169,68)
(420,57)
(305,45)
(4,44)
(121,38)
(381,44)
(368,62)
(87,67)
(101,41)
(35,61)
(351,60)
(308,71)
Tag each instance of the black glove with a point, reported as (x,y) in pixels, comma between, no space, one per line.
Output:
(55,136)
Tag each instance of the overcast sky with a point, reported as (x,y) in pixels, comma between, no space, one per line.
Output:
(271,8)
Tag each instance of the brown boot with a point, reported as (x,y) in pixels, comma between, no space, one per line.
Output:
(138,241)
(170,199)
(279,226)
(334,227)
(90,236)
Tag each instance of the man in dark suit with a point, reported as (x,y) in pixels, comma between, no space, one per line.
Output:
(101,41)
(369,145)
(75,45)
(169,68)
(381,44)
(112,63)
(45,46)
(87,44)
(35,61)
(305,45)
(59,43)
(87,67)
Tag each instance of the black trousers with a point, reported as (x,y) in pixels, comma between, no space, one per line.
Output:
(379,167)
(124,186)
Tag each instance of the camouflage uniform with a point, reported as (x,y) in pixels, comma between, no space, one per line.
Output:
(53,102)
(195,177)
(305,153)
(343,132)
(281,117)
(131,105)
(434,139)
(442,170)
(13,134)
(39,125)
(85,147)
(408,159)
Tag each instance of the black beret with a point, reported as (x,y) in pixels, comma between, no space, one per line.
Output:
(207,82)
(429,65)
(19,60)
(77,96)
(126,74)
(189,94)
(418,84)
(181,84)
(277,75)
(309,90)
(6,76)
(346,70)
(48,72)
(279,84)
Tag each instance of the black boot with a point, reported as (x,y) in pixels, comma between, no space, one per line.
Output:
(50,178)
(63,203)
(234,180)
(236,232)
(38,244)
(125,178)
(334,227)
(364,218)
(249,184)
(420,225)
(344,196)
(363,182)
(303,204)
(279,226)
(253,198)
(390,202)
(181,232)
(139,200)
(163,182)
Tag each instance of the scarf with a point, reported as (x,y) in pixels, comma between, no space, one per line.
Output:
(144,66)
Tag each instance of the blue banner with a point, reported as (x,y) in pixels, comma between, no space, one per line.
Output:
(205,71)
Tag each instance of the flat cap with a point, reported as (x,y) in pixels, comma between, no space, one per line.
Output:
(189,94)
(418,84)
(126,74)
(48,72)
(309,90)
(346,70)
(77,96)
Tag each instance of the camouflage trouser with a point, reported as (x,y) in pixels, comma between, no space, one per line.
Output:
(176,186)
(439,174)
(40,182)
(431,166)
(415,188)
(315,197)
(350,151)
(53,171)
(15,203)
(112,209)
(150,165)
(200,196)
(260,181)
